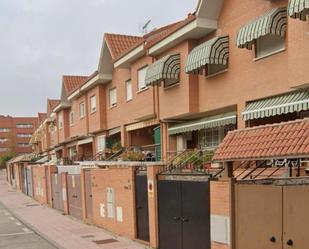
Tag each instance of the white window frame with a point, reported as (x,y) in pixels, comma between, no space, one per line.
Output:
(23,135)
(3,140)
(129,90)
(141,78)
(60,120)
(281,46)
(101,143)
(93,104)
(3,149)
(82,110)
(24,126)
(71,118)
(113,97)
(23,145)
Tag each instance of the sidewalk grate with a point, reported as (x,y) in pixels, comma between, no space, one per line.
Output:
(32,205)
(104,241)
(87,236)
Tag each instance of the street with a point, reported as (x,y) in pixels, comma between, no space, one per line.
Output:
(14,234)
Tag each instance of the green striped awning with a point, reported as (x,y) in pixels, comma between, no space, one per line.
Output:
(214,51)
(299,9)
(277,105)
(205,123)
(166,68)
(273,22)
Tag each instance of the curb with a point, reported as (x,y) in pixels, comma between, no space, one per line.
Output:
(33,228)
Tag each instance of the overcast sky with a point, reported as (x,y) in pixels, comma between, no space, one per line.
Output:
(40,40)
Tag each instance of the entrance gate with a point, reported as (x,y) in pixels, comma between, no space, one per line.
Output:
(74,196)
(57,198)
(142,216)
(184,212)
(29,182)
(272,216)
(88,193)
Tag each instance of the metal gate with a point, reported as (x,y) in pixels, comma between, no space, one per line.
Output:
(272,216)
(184,214)
(29,182)
(25,180)
(88,193)
(142,216)
(57,196)
(74,196)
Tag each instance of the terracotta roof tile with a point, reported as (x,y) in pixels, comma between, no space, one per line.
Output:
(52,103)
(72,83)
(271,141)
(118,44)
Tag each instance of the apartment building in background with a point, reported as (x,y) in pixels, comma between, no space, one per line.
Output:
(15,134)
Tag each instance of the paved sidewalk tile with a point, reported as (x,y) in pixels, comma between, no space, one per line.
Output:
(63,231)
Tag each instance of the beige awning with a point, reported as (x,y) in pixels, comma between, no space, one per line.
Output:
(114,131)
(273,22)
(141,125)
(214,51)
(299,9)
(85,141)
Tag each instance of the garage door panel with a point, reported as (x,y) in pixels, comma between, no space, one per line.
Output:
(295,216)
(258,216)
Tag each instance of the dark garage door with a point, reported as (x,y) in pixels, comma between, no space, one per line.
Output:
(184,214)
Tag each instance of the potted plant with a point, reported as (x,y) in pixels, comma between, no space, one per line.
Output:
(133,156)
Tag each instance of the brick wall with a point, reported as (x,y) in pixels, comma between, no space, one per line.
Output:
(122,182)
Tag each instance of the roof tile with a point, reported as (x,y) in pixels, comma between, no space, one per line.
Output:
(270,141)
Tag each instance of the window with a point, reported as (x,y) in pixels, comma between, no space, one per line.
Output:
(20,135)
(212,137)
(129,90)
(24,126)
(269,44)
(93,104)
(23,145)
(113,97)
(141,78)
(3,149)
(213,69)
(3,140)
(4,129)
(82,110)
(71,118)
(72,153)
(101,143)
(60,120)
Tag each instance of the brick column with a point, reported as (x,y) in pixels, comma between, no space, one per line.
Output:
(152,172)
(241,124)
(64,177)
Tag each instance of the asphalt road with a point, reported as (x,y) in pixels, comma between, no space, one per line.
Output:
(15,235)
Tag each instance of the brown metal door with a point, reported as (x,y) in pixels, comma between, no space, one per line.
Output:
(57,192)
(88,193)
(258,216)
(295,217)
(74,196)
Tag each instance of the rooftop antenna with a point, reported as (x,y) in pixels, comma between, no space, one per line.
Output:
(145,26)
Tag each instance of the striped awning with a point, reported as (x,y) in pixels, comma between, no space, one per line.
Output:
(277,105)
(273,22)
(299,9)
(205,123)
(114,131)
(142,124)
(214,51)
(166,68)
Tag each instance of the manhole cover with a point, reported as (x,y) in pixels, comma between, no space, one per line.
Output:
(32,205)
(105,241)
(87,236)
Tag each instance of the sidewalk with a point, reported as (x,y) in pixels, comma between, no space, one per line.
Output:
(62,231)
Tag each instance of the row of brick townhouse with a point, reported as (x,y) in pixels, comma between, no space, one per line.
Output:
(188,83)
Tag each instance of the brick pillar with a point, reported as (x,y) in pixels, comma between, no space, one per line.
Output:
(64,177)
(241,124)
(125,141)
(164,140)
(51,170)
(152,172)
